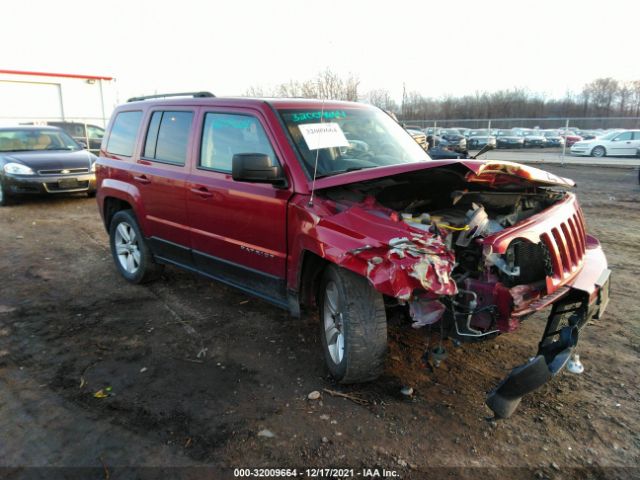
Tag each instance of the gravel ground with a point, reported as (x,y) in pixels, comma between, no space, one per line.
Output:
(199,378)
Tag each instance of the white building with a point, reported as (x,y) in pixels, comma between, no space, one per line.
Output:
(40,97)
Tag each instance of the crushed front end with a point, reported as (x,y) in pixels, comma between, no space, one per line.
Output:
(477,247)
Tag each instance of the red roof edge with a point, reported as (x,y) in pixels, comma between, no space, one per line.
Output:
(63,75)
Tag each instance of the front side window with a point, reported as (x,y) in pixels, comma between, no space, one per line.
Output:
(168,137)
(623,136)
(374,140)
(225,135)
(122,138)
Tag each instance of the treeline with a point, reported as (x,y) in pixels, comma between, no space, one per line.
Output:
(603,97)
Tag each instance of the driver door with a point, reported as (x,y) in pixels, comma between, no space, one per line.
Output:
(622,144)
(238,229)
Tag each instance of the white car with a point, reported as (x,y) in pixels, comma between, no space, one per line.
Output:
(613,144)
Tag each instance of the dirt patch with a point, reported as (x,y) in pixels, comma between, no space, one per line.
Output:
(192,370)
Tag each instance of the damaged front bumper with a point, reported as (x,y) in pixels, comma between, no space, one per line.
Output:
(559,339)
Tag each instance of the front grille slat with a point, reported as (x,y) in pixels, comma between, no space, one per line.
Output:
(64,171)
(562,247)
(571,244)
(577,235)
(583,233)
(554,252)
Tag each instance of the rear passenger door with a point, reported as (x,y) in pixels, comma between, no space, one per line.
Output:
(238,229)
(162,170)
(636,142)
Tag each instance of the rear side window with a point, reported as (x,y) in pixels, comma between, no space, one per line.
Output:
(224,135)
(636,135)
(168,137)
(122,138)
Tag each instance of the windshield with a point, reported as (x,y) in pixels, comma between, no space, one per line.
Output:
(610,135)
(550,134)
(450,132)
(23,140)
(373,139)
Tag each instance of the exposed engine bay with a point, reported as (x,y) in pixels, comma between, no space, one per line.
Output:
(441,204)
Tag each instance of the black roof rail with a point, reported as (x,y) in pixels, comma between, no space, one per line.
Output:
(164,95)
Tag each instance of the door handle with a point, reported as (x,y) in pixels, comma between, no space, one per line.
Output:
(202,191)
(141,179)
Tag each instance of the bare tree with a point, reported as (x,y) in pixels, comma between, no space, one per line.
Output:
(602,92)
(382,98)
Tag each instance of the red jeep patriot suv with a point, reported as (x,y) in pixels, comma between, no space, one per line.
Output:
(333,205)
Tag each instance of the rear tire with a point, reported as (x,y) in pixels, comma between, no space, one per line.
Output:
(353,326)
(130,251)
(598,152)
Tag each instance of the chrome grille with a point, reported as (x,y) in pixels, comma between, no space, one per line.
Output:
(64,171)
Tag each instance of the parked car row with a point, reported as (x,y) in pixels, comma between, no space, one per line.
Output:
(596,143)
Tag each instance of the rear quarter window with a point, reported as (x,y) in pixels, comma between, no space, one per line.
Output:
(122,138)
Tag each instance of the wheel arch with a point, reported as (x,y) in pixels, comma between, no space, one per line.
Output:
(113,205)
(115,195)
(310,273)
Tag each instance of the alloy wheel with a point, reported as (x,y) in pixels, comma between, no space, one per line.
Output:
(127,247)
(333,322)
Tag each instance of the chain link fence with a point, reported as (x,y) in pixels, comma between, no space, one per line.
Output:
(580,123)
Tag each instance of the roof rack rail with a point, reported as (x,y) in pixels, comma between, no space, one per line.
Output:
(164,95)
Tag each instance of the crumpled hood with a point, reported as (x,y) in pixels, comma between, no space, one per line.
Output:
(490,172)
(500,171)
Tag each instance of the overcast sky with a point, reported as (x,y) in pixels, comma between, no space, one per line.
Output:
(436,48)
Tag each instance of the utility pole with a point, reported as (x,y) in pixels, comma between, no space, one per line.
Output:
(564,145)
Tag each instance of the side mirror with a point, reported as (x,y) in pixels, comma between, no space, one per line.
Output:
(82,144)
(256,168)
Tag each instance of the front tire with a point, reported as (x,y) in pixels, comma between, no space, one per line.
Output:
(4,197)
(129,249)
(353,326)
(598,152)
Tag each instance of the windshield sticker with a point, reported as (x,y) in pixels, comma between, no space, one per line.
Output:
(329,115)
(323,135)
(232,121)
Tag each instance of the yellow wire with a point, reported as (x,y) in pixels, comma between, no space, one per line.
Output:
(457,229)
